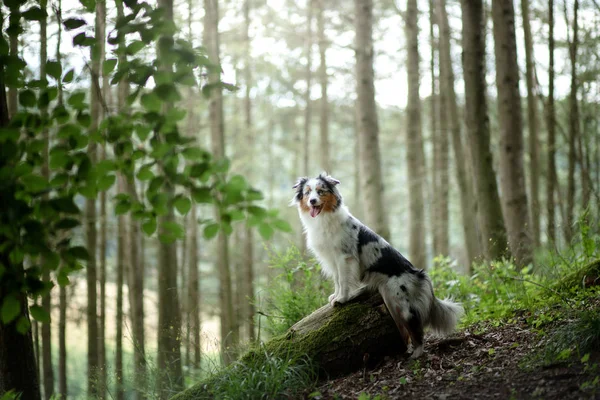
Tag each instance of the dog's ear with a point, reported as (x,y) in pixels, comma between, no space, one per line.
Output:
(331,180)
(300,182)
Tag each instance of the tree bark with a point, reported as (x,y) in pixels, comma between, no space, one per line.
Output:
(194,289)
(489,211)
(14,29)
(573,123)
(510,121)
(368,126)
(91,213)
(551,122)
(121,249)
(324,81)
(47,370)
(465,187)
(308,77)
(415,152)
(532,121)
(228,335)
(339,340)
(248,267)
(433,121)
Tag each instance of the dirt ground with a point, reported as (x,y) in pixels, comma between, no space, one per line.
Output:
(480,363)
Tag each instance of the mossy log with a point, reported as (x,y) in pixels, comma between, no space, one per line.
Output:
(584,277)
(337,339)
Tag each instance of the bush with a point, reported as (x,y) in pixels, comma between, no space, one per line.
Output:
(297,290)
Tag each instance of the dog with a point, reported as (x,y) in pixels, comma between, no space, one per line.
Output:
(358,259)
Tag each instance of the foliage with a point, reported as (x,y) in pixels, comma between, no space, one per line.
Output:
(144,141)
(295,292)
(268,377)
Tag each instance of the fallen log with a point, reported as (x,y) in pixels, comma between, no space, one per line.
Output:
(339,340)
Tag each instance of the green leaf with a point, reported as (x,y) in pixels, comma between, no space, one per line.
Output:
(105,182)
(54,69)
(39,314)
(260,212)
(265,230)
(73,23)
(34,183)
(10,309)
(27,98)
(67,223)
(194,153)
(151,102)
(68,78)
(23,326)
(76,100)
(122,207)
(202,195)
(211,230)
(34,14)
(109,65)
(64,204)
(149,227)
(79,252)
(282,225)
(145,173)
(135,47)
(182,204)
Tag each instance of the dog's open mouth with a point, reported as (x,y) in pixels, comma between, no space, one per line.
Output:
(315,210)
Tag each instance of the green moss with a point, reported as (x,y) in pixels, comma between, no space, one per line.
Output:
(292,346)
(590,272)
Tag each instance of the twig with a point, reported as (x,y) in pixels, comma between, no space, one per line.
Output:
(543,287)
(269,316)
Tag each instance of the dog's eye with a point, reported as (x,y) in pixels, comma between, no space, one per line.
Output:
(319,192)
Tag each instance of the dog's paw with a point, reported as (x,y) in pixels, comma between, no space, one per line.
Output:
(332,299)
(340,300)
(417,352)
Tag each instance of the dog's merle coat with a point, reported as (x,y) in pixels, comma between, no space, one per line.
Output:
(357,258)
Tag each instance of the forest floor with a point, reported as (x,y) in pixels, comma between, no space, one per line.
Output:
(481,362)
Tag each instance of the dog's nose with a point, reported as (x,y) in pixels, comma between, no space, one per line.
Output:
(313,201)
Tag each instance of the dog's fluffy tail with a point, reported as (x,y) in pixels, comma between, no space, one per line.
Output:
(444,316)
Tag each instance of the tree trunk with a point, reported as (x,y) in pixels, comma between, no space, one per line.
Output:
(433,121)
(248,266)
(368,126)
(168,360)
(14,28)
(489,211)
(532,121)
(47,370)
(193,289)
(121,249)
(18,369)
(573,123)
(211,27)
(324,80)
(465,187)
(339,340)
(551,118)
(510,121)
(308,77)
(415,152)
(91,214)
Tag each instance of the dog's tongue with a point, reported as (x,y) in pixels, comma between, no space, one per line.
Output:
(314,211)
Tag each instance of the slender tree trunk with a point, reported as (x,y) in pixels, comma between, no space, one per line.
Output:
(248,267)
(217,128)
(170,377)
(193,289)
(510,121)
(18,368)
(489,211)
(415,152)
(62,295)
(573,123)
(433,121)
(121,250)
(14,28)
(368,125)
(47,370)
(551,179)
(324,81)
(91,214)
(532,120)
(467,201)
(308,76)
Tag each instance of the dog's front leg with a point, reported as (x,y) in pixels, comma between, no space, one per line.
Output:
(336,285)
(348,270)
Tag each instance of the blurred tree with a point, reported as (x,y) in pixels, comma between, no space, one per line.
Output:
(551,123)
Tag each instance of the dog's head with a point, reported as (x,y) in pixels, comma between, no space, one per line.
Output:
(316,195)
